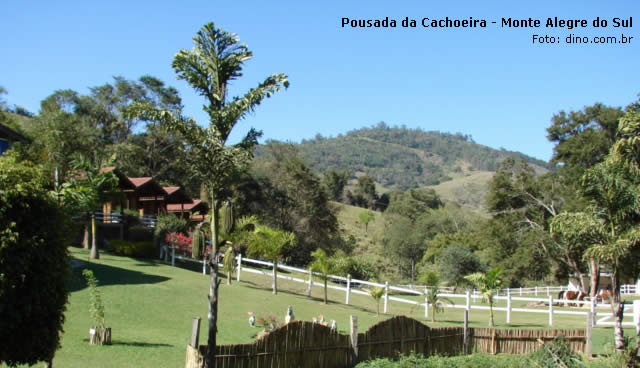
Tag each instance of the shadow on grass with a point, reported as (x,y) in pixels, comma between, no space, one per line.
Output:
(110,275)
(134,343)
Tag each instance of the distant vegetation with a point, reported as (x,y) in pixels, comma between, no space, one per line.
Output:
(402,158)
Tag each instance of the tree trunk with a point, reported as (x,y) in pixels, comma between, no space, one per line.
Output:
(618,309)
(229,278)
(325,290)
(94,244)
(210,359)
(594,269)
(274,282)
(85,238)
(412,272)
(490,313)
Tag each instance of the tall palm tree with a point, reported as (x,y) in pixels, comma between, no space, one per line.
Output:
(487,284)
(216,60)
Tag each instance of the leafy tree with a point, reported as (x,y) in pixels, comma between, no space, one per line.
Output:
(401,240)
(33,260)
(367,190)
(270,243)
(335,181)
(216,59)
(487,284)
(457,262)
(365,218)
(413,203)
(432,281)
(323,265)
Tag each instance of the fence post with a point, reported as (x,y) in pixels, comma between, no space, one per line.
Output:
(548,291)
(520,290)
(593,311)
(239,267)
(204,266)
(426,305)
(550,310)
(310,283)
(465,341)
(173,257)
(386,295)
(536,291)
(508,306)
(195,332)
(354,339)
(468,297)
(636,315)
(588,344)
(348,289)
(637,286)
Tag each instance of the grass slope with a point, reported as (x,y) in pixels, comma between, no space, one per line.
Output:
(468,190)
(150,306)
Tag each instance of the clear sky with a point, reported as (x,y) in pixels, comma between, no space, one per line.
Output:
(492,83)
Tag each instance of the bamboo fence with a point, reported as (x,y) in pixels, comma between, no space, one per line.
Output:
(494,341)
(306,344)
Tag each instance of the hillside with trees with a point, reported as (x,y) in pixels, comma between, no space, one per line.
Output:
(402,158)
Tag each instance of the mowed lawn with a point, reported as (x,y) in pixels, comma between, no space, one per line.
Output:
(150,306)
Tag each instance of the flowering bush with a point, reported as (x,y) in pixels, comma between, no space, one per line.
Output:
(268,323)
(180,241)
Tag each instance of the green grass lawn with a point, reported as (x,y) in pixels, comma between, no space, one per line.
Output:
(150,306)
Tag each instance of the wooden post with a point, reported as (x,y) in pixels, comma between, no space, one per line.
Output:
(637,286)
(536,291)
(520,290)
(466,332)
(310,283)
(508,306)
(550,310)
(173,256)
(195,332)
(354,339)
(468,305)
(386,295)
(548,291)
(239,267)
(588,344)
(204,266)
(348,289)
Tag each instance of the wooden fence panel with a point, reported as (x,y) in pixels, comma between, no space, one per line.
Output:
(494,341)
(305,344)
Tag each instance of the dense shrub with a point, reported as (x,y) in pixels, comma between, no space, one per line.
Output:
(140,233)
(132,249)
(465,361)
(169,223)
(34,267)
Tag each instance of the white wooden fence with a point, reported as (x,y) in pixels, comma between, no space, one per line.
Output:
(352,286)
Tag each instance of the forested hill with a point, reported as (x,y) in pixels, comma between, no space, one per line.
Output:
(403,158)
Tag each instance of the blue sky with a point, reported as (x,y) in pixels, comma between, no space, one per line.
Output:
(492,83)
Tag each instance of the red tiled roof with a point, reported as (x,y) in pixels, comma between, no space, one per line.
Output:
(178,207)
(170,190)
(138,182)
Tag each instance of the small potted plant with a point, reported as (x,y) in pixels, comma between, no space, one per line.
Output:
(98,334)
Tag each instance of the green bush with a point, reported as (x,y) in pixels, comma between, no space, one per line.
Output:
(464,361)
(169,223)
(132,249)
(140,233)
(34,267)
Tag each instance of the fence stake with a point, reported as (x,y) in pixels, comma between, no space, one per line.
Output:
(638,286)
(508,306)
(195,332)
(173,257)
(204,266)
(348,289)
(548,291)
(239,267)
(520,290)
(468,306)
(536,291)
(550,310)
(466,332)
(588,345)
(354,338)
(593,311)
(636,315)
(310,283)
(426,306)
(386,295)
